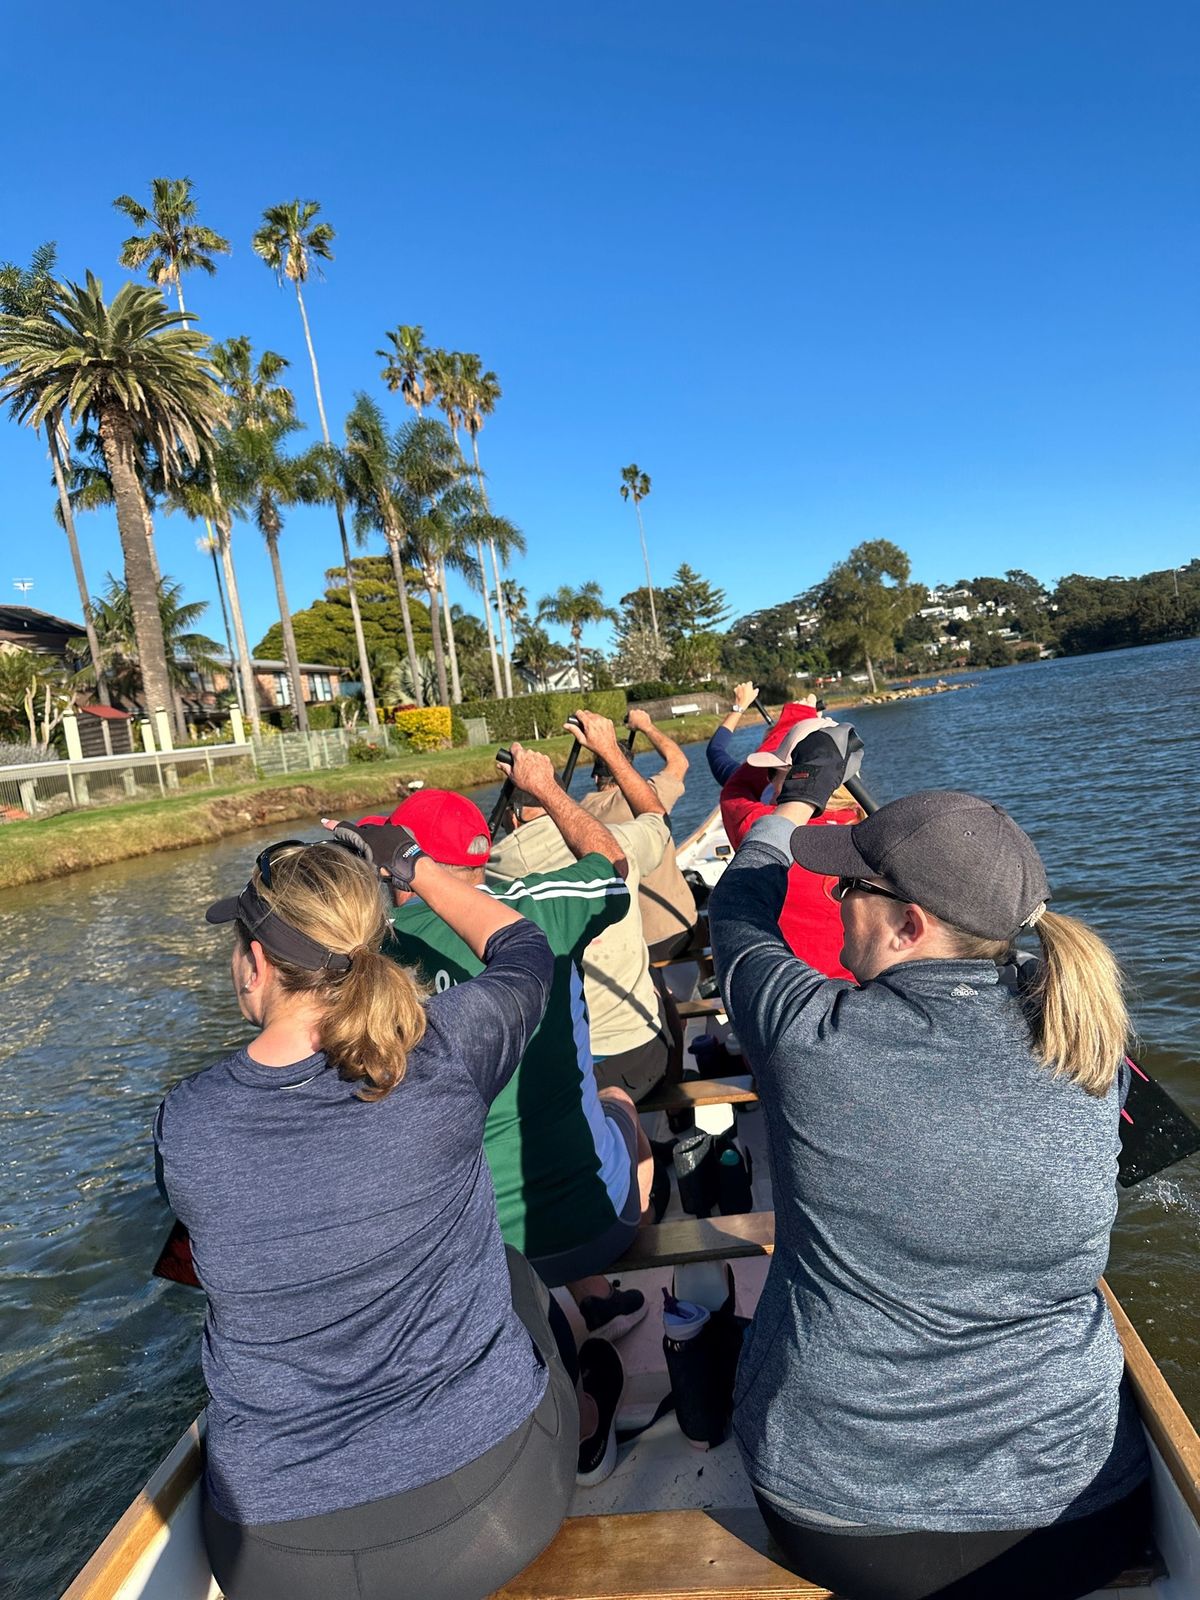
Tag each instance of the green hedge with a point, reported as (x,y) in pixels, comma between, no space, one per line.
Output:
(530,716)
(660,689)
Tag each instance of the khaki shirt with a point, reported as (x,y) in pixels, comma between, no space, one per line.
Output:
(623,1006)
(667,904)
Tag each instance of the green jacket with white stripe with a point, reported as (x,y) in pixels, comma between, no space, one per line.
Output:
(559,1166)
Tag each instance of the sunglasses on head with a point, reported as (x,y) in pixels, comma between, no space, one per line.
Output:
(844,885)
(263,861)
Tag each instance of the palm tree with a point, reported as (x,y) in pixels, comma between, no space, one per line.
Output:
(635,485)
(174,242)
(186,649)
(575,609)
(478,391)
(210,544)
(405,369)
(137,374)
(260,480)
(428,469)
(539,652)
(289,241)
(257,399)
(27,292)
(368,480)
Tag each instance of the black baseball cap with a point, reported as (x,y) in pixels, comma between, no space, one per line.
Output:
(955,854)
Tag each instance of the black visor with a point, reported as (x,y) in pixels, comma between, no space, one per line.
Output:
(275,935)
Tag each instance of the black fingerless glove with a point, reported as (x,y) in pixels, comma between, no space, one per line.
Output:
(818,766)
(386,845)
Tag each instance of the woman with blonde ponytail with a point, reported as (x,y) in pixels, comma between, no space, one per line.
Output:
(930,1399)
(389,1414)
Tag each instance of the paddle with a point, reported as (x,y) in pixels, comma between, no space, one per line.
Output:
(1155,1131)
(504,798)
(568,771)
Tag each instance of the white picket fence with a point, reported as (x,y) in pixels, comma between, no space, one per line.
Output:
(44,788)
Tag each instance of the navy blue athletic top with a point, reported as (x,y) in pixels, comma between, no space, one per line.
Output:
(360,1339)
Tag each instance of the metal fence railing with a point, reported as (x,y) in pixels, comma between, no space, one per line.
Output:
(303,752)
(46,787)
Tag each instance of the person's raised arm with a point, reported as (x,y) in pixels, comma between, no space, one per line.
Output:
(675,763)
(474,917)
(597,734)
(583,834)
(744,696)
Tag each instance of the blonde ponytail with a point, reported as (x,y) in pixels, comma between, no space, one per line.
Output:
(1077,1009)
(372,1016)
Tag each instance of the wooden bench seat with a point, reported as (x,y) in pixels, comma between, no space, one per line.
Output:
(679,1555)
(675,1555)
(682,1242)
(701,1008)
(693,1092)
(688,958)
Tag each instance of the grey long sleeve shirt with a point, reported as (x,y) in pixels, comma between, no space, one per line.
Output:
(930,1350)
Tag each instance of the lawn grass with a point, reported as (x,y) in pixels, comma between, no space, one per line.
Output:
(52,847)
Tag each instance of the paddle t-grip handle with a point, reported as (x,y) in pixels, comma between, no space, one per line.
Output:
(572,761)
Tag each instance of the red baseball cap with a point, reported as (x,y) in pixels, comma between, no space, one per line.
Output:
(446,825)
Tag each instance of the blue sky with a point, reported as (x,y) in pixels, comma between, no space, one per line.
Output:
(827,270)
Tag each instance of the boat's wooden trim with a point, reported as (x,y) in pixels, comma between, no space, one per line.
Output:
(1163,1417)
(142,1522)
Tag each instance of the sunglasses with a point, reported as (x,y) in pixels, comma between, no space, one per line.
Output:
(263,862)
(844,885)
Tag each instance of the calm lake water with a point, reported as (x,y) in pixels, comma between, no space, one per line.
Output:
(115,987)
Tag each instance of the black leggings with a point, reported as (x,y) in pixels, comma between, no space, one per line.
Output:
(457,1538)
(1060,1562)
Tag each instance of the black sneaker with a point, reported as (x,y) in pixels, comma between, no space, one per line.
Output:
(613,1315)
(601,1376)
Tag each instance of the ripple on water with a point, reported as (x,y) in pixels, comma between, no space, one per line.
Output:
(121,989)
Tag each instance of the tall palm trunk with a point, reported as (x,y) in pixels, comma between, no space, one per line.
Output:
(214,548)
(245,660)
(487,615)
(116,441)
(483,576)
(646,559)
(577,641)
(360,638)
(451,644)
(435,623)
(393,544)
(68,516)
(289,634)
(871,674)
(502,617)
(178,716)
(360,642)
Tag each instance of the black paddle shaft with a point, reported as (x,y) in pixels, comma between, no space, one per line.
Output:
(568,771)
(504,798)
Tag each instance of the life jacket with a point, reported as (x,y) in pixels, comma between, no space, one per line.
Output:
(811,920)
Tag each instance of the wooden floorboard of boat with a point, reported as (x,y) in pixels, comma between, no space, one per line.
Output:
(673,1555)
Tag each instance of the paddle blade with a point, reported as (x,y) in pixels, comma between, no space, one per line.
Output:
(175,1259)
(1155,1132)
